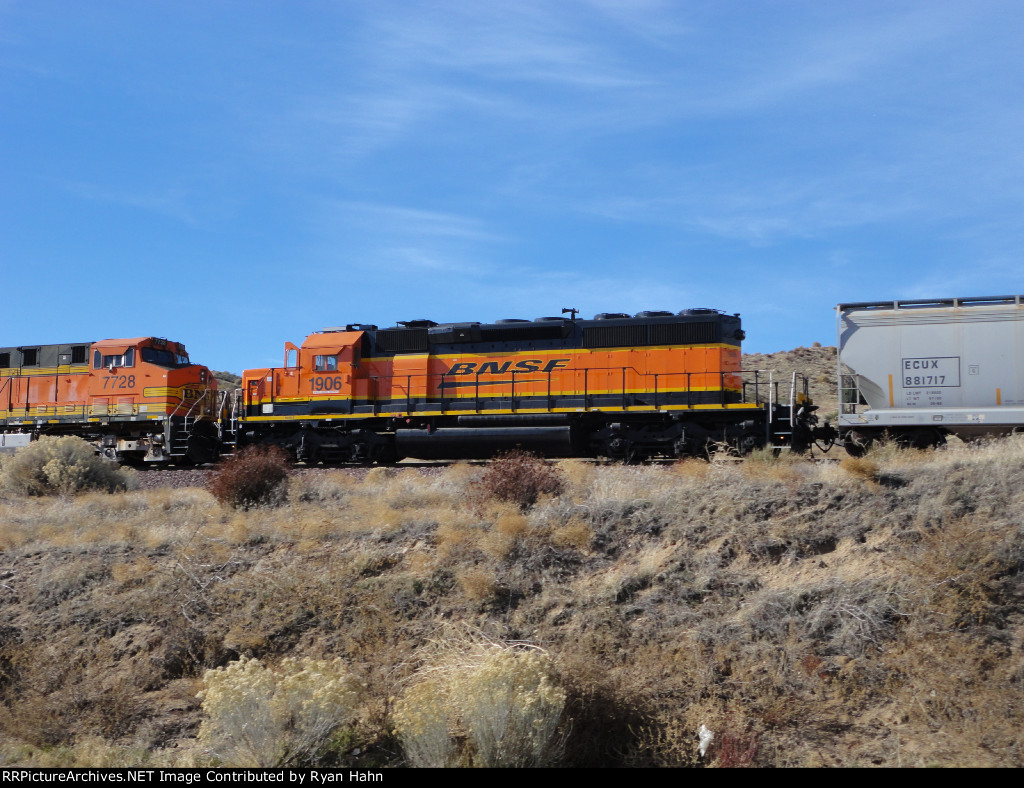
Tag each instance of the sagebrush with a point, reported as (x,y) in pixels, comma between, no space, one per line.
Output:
(255,476)
(804,613)
(60,466)
(519,477)
(282,716)
(506,698)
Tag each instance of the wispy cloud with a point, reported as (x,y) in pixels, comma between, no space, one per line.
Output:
(530,63)
(416,243)
(826,53)
(397,221)
(550,85)
(172,202)
(525,42)
(986,276)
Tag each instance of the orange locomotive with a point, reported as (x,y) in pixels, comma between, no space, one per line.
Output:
(656,384)
(134,399)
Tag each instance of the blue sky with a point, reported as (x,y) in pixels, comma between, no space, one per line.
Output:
(237,174)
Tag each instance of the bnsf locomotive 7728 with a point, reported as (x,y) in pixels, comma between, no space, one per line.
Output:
(656,384)
(135,400)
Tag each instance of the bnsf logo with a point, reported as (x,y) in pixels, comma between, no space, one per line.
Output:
(496,368)
(191,393)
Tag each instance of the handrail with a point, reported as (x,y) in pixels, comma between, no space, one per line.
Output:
(650,383)
(9,385)
(235,397)
(848,404)
(170,418)
(198,400)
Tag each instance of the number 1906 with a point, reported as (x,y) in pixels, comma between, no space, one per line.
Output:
(326,383)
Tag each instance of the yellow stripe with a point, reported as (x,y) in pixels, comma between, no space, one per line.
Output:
(890,392)
(16,416)
(486,394)
(14,372)
(165,391)
(488,411)
(560,352)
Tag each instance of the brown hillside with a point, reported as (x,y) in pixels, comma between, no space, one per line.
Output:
(817,364)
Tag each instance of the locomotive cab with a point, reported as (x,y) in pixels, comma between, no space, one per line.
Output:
(322,375)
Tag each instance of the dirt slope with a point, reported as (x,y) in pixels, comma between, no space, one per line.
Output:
(816,364)
(806,613)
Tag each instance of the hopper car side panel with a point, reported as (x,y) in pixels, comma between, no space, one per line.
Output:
(923,370)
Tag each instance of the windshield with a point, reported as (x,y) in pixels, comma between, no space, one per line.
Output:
(164,358)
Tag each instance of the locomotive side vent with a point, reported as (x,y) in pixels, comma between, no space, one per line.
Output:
(615,336)
(691,333)
(454,332)
(524,332)
(686,333)
(402,340)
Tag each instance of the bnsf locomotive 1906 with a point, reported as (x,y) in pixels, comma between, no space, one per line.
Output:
(625,387)
(136,400)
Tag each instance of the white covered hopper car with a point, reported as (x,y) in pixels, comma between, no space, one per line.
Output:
(918,371)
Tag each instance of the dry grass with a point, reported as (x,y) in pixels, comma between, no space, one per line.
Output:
(806,613)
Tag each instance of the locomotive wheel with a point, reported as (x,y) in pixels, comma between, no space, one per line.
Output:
(622,449)
(617,447)
(857,443)
(203,445)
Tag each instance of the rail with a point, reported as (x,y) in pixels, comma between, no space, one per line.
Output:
(233,396)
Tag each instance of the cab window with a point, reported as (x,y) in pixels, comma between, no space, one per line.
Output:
(101,361)
(164,357)
(325,363)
